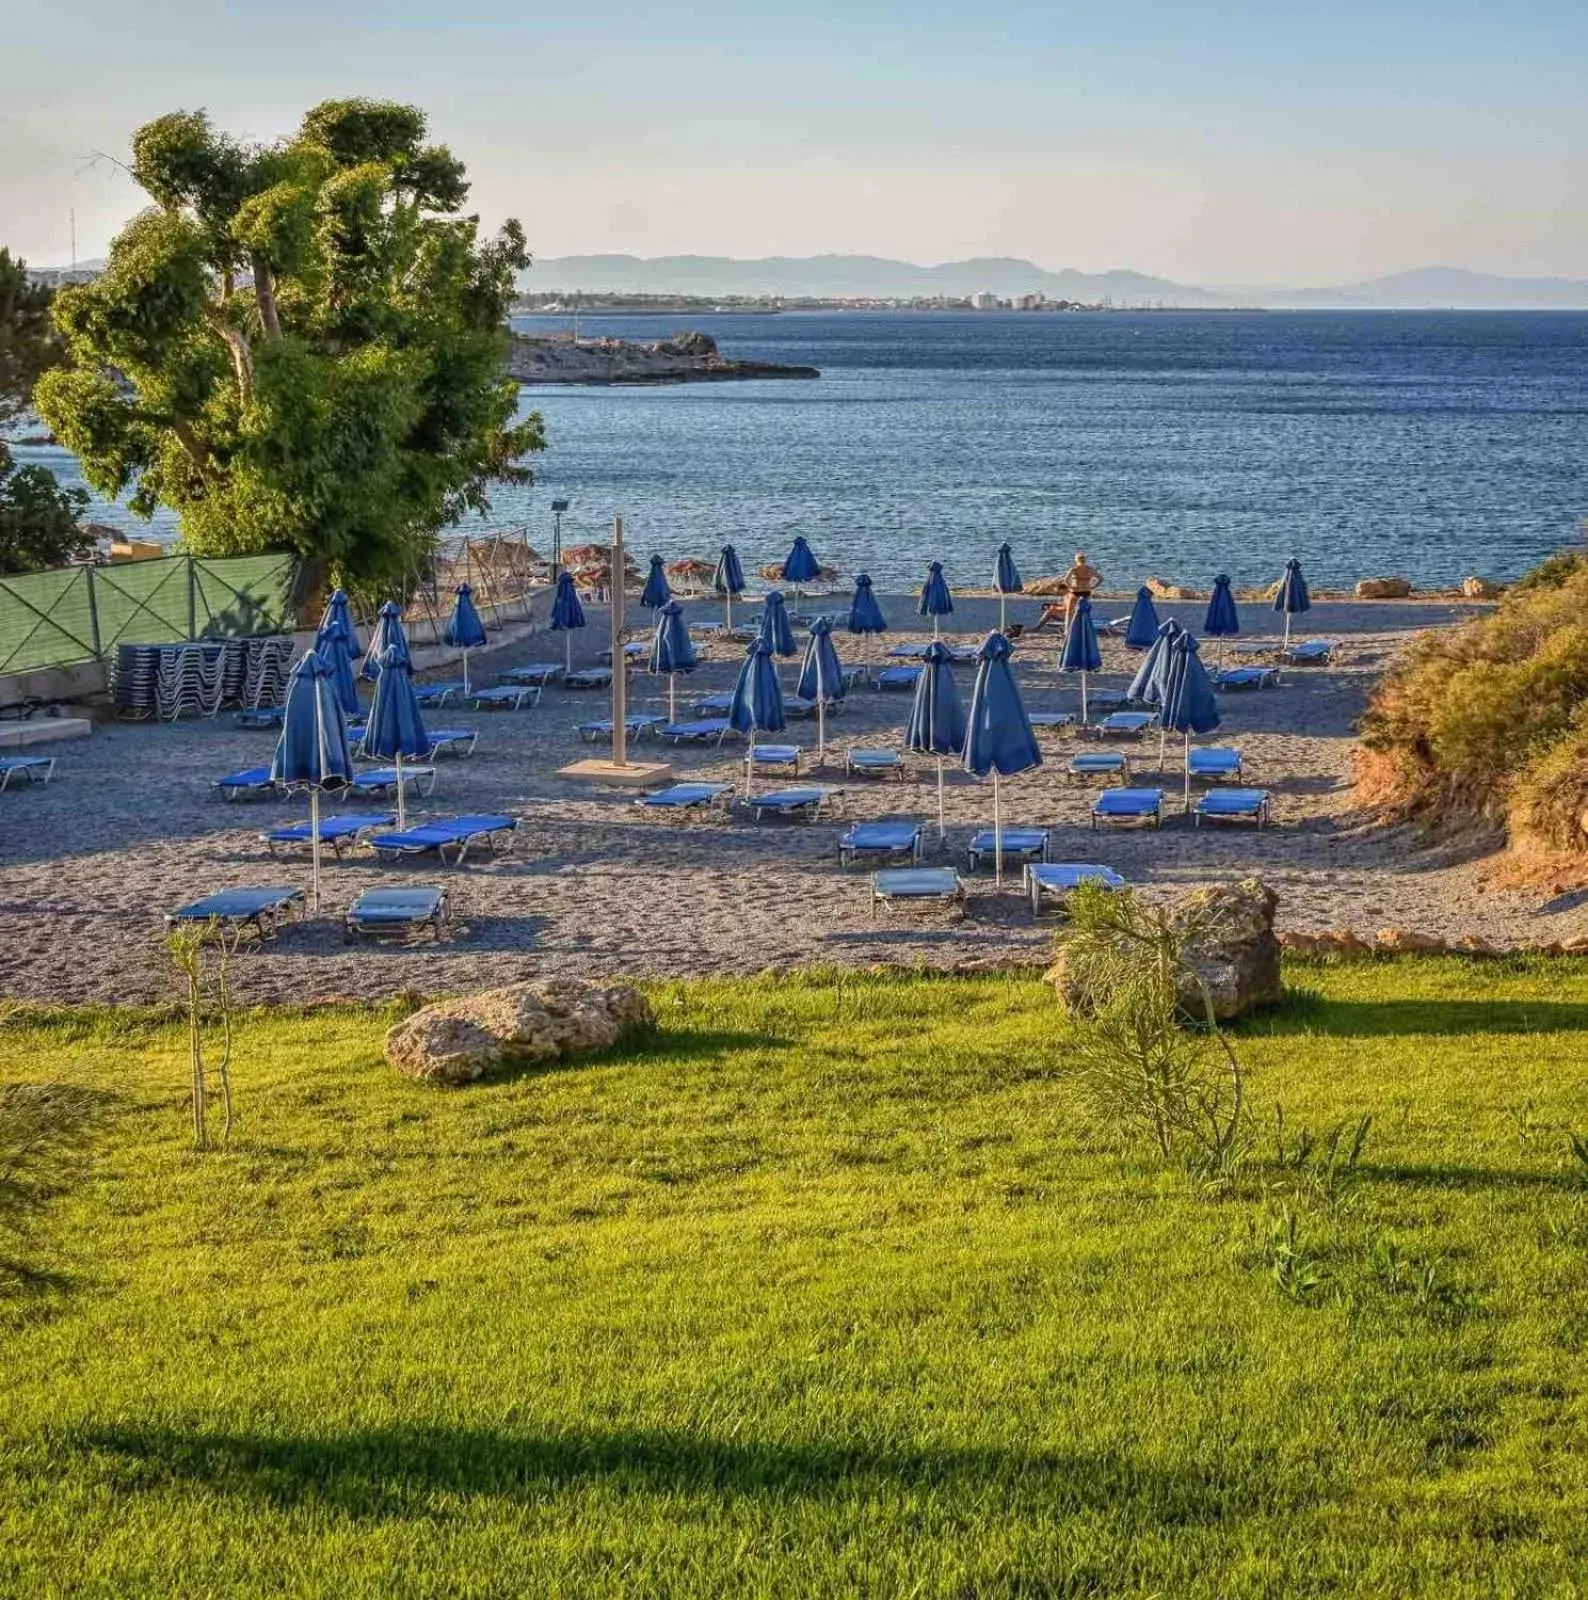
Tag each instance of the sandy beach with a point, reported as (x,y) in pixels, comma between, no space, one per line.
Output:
(594,886)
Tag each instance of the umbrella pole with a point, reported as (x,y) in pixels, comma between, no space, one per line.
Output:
(465,672)
(821,722)
(727,609)
(936,620)
(942,831)
(1003,612)
(749,763)
(1163,738)
(672,691)
(314,850)
(1287,630)
(402,808)
(1083,699)
(1188,772)
(998,837)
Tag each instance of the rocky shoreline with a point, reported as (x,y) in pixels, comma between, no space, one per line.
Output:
(684,358)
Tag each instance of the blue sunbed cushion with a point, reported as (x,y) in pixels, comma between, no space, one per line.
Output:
(1243,677)
(1071,874)
(686,794)
(1214,760)
(916,883)
(1050,719)
(396,907)
(908,652)
(232,905)
(338,827)
(1129,802)
(1310,650)
(881,836)
(794,798)
(248,778)
(533,673)
(378,778)
(1234,802)
(1098,761)
(697,728)
(1125,722)
(875,758)
(1016,840)
(898,677)
(712,704)
(775,755)
(437,691)
(444,830)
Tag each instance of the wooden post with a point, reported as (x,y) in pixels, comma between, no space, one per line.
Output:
(620,666)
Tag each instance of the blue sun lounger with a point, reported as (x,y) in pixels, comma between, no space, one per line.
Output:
(1020,844)
(775,755)
(452,741)
(1246,678)
(335,831)
(36,769)
(1213,761)
(1056,880)
(1041,720)
(1234,805)
(702,730)
(253,782)
(714,705)
(394,911)
(1252,649)
(874,763)
(1098,699)
(261,716)
(263,910)
(915,883)
(436,694)
(533,674)
(600,731)
(442,834)
(635,650)
(1308,652)
(589,678)
(880,839)
(683,798)
(505,697)
(796,705)
(1129,805)
(1114,625)
(382,781)
(1099,764)
(856,674)
(1126,724)
(907,652)
(804,802)
(898,678)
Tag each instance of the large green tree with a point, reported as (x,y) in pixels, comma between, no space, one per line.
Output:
(28,342)
(299,346)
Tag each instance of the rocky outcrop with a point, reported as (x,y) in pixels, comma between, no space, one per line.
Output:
(1481,589)
(1383,588)
(525,1024)
(1162,589)
(684,358)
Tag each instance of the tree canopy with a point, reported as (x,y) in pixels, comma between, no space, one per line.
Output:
(28,344)
(299,345)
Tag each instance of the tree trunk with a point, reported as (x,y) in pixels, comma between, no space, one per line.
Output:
(265,294)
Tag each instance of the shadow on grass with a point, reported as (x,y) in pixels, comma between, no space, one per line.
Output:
(1303,1012)
(393,1471)
(1457,1175)
(665,1045)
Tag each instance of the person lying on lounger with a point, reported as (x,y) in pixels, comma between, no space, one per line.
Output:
(1081,580)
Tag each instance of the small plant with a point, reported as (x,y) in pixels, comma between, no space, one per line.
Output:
(188,947)
(1577,1146)
(1328,1166)
(1297,1272)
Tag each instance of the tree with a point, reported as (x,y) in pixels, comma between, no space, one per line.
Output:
(38,518)
(28,343)
(299,345)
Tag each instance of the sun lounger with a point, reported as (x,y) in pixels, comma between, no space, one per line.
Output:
(505,697)
(1125,724)
(874,763)
(880,839)
(589,678)
(915,883)
(1213,761)
(396,911)
(36,769)
(1246,678)
(1234,805)
(1114,625)
(436,694)
(1051,719)
(335,831)
(795,705)
(261,716)
(775,755)
(1056,880)
(452,741)
(907,652)
(1129,805)
(1099,764)
(253,782)
(634,651)
(600,731)
(263,910)
(857,674)
(442,834)
(382,781)
(1308,652)
(1256,648)
(898,678)
(534,674)
(702,730)
(1020,844)
(804,802)
(685,797)
(1100,699)
(714,705)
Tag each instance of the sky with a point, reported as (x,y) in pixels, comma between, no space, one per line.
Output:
(1229,144)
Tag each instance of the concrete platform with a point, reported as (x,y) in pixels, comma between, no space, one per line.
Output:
(43,730)
(631,775)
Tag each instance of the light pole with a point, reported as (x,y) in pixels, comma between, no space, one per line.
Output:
(557,509)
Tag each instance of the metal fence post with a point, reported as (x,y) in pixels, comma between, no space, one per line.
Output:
(192,600)
(93,616)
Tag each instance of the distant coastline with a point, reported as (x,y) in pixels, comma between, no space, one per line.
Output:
(682,358)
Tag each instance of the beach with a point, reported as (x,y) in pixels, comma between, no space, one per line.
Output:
(595,886)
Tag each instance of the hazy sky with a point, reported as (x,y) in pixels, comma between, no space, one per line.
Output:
(1229,143)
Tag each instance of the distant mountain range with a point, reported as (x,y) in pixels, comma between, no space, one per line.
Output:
(843,276)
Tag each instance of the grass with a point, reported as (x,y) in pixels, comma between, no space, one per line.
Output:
(830,1292)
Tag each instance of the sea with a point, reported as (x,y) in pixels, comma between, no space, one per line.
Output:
(1425,445)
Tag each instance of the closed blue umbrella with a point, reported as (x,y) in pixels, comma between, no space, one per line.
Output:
(821,679)
(657,592)
(388,633)
(566,614)
(338,618)
(1142,631)
(1006,580)
(865,615)
(1146,685)
(936,602)
(331,645)
(395,727)
(1223,621)
(1082,653)
(464,630)
(1292,597)
(672,650)
(998,738)
(728,580)
(937,717)
(757,704)
(800,566)
(312,752)
(776,628)
(1189,704)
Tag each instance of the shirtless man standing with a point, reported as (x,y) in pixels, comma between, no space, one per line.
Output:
(1079,581)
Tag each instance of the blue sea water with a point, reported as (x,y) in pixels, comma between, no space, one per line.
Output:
(1430,445)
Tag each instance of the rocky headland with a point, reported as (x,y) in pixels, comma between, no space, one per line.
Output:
(683,358)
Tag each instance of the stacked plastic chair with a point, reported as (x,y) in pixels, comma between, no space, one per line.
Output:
(137,667)
(268,660)
(189,681)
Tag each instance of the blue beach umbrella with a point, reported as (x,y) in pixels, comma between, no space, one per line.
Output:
(395,728)
(728,580)
(566,614)
(1223,621)
(1145,686)
(937,716)
(338,618)
(331,645)
(312,752)
(757,704)
(1081,651)
(935,602)
(998,739)
(1292,597)
(672,650)
(776,628)
(821,679)
(657,591)
(1189,704)
(865,615)
(800,566)
(1006,580)
(1142,630)
(464,630)
(387,633)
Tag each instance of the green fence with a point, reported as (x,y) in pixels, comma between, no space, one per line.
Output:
(78,614)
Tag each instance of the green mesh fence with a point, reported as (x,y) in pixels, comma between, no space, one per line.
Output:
(77,614)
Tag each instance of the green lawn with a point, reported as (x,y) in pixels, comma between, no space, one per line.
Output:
(832,1291)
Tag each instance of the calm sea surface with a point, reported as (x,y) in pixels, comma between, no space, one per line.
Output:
(1430,445)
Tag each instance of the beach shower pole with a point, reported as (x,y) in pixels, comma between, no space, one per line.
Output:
(620,687)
